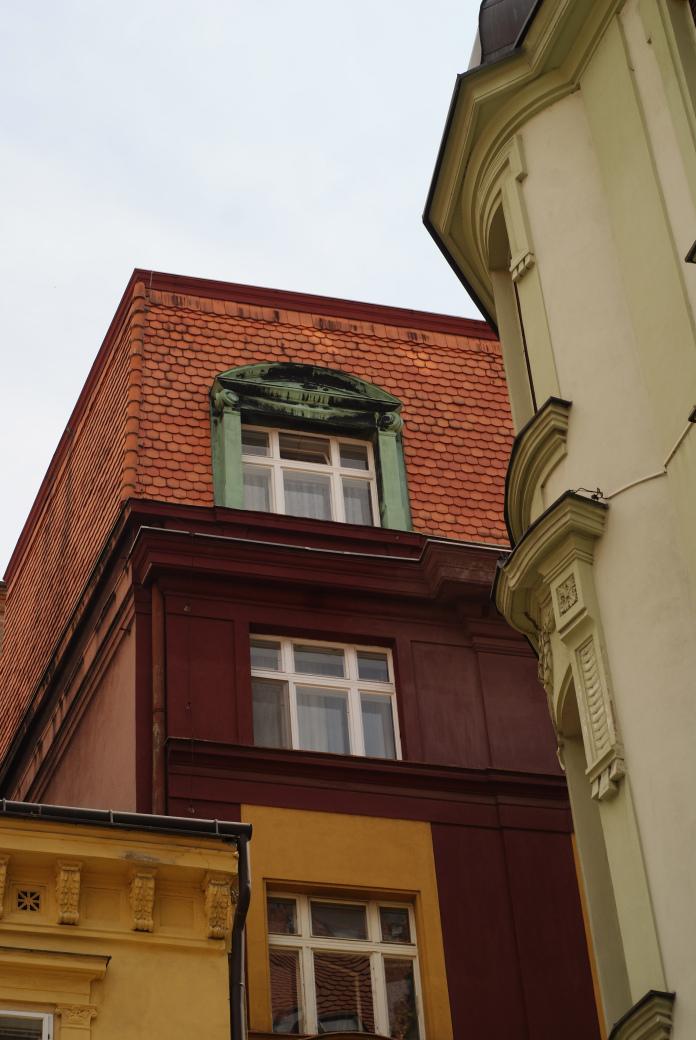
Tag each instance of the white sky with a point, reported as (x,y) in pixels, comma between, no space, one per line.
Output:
(284,143)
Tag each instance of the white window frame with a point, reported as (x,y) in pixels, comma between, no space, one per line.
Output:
(352,685)
(333,470)
(306,944)
(45,1019)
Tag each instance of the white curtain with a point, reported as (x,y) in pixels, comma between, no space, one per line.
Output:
(323,720)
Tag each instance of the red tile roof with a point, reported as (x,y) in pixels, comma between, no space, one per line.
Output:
(141,428)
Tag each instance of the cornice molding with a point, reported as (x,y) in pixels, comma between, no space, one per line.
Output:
(536,451)
(572,524)
(649,1019)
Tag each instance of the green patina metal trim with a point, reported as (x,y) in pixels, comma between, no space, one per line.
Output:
(289,393)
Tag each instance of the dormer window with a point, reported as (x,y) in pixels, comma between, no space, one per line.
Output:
(301,474)
(308,441)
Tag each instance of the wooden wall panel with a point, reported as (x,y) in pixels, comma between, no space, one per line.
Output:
(483,974)
(453,726)
(519,728)
(551,941)
(201,701)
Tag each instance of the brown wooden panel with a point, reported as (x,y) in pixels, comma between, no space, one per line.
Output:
(453,728)
(550,936)
(200,678)
(519,727)
(483,972)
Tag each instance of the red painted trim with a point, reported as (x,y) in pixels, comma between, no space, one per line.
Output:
(308,303)
(213,771)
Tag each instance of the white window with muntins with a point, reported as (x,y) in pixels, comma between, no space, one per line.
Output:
(315,696)
(343,966)
(25,1025)
(303,474)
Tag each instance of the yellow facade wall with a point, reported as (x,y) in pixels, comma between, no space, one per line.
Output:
(136,963)
(346,855)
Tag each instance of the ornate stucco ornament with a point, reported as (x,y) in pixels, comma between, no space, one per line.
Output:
(548,577)
(218,904)
(77,1016)
(142,899)
(68,892)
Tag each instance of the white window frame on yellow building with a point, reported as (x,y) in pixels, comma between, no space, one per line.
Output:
(305,943)
(45,1019)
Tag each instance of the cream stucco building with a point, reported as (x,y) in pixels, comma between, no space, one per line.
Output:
(565,198)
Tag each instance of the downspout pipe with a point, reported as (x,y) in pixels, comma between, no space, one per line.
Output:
(236,957)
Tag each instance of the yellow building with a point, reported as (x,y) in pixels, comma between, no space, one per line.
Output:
(565,198)
(118,925)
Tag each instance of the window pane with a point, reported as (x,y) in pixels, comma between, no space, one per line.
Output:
(307,494)
(304,449)
(257,488)
(356,495)
(271,716)
(265,654)
(401,999)
(339,920)
(395,924)
(285,992)
(354,456)
(319,660)
(14,1028)
(254,442)
(323,720)
(373,666)
(378,726)
(344,993)
(282,916)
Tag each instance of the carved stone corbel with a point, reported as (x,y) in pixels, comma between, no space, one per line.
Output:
(142,899)
(218,904)
(4,863)
(68,892)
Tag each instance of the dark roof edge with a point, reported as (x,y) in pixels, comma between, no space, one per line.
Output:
(331,306)
(115,819)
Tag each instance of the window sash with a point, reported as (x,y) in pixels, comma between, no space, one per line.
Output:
(46,1020)
(352,686)
(334,471)
(306,945)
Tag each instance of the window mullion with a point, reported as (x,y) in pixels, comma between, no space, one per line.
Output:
(357,737)
(379,994)
(309,994)
(294,717)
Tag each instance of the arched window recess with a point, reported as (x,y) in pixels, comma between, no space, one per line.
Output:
(286,398)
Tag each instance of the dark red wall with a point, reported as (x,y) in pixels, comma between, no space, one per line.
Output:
(515,950)
(459,704)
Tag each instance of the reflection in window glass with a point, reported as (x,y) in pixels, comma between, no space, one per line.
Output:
(339,920)
(20,1027)
(378,726)
(254,442)
(322,717)
(285,991)
(344,993)
(401,999)
(271,713)
(354,456)
(265,654)
(356,495)
(282,916)
(307,494)
(319,660)
(395,924)
(373,667)
(298,448)
(257,489)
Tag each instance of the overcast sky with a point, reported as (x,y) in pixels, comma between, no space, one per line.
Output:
(284,143)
